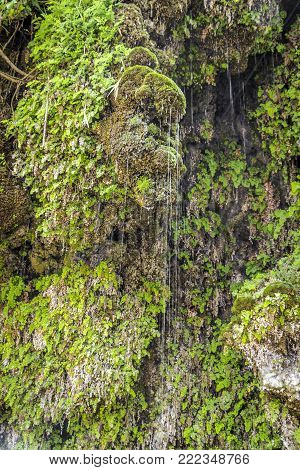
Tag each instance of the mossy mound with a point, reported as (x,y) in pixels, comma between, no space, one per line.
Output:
(57,155)
(132,139)
(279,104)
(163,94)
(142,56)
(141,156)
(278,288)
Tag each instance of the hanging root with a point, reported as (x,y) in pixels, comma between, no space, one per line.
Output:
(10,78)
(10,63)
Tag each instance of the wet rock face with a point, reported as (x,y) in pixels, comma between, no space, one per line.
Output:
(162,10)
(14,203)
(188,195)
(263,11)
(280,375)
(229,32)
(132,27)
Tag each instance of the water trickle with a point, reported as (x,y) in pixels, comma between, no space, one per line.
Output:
(192,109)
(123,249)
(230,95)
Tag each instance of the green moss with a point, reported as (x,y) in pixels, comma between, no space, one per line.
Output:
(278,288)
(165,11)
(218,399)
(168,100)
(245,302)
(273,306)
(142,56)
(297,436)
(130,136)
(151,88)
(132,27)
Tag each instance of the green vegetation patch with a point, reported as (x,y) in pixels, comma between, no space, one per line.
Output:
(74,51)
(72,346)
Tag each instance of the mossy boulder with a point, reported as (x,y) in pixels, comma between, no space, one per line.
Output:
(131,136)
(142,56)
(163,94)
(45,257)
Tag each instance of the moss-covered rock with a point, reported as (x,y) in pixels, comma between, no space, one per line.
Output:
(267,331)
(164,10)
(142,56)
(163,94)
(131,138)
(117,328)
(242,303)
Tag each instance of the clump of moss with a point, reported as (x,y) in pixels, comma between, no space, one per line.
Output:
(130,80)
(257,303)
(213,394)
(140,85)
(167,98)
(142,56)
(132,139)
(164,10)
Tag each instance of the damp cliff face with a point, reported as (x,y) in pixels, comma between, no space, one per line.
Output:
(149,225)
